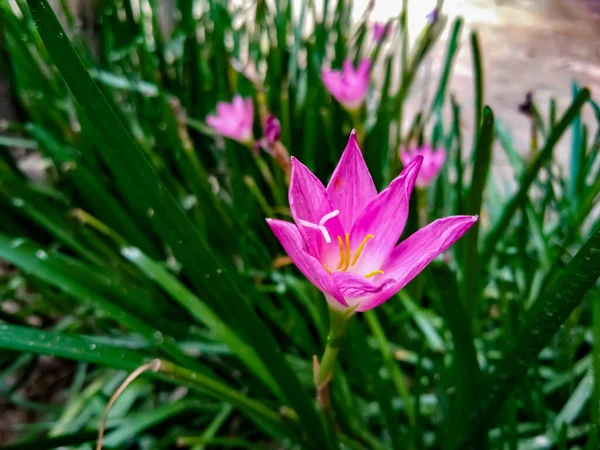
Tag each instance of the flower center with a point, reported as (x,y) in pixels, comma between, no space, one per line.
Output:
(345,254)
(346,259)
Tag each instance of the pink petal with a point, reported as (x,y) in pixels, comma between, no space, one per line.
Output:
(347,66)
(412,255)
(238,103)
(215,122)
(356,286)
(332,81)
(439,157)
(351,187)
(291,240)
(224,109)
(364,67)
(406,157)
(378,29)
(249,109)
(384,218)
(309,201)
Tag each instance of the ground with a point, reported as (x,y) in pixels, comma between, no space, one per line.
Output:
(528,45)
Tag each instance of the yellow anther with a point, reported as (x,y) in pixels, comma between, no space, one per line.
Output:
(360,248)
(375,272)
(347,262)
(342,255)
(327,268)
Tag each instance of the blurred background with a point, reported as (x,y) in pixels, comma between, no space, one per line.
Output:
(124,243)
(537,46)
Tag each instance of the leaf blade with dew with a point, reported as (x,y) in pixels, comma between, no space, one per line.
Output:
(72,278)
(541,322)
(82,348)
(147,193)
(198,309)
(466,372)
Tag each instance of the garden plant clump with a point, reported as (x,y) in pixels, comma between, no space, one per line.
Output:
(238,235)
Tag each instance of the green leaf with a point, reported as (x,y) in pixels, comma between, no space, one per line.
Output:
(576,149)
(89,287)
(465,367)
(541,322)
(72,439)
(474,199)
(453,42)
(132,425)
(576,402)
(594,435)
(478,84)
(147,194)
(80,348)
(200,311)
(531,174)
(10,141)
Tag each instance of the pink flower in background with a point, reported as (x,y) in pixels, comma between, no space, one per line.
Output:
(344,236)
(433,161)
(349,86)
(380,31)
(272,129)
(234,120)
(433,15)
(271,134)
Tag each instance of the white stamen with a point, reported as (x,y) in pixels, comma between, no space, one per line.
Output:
(309,224)
(325,234)
(326,217)
(321,224)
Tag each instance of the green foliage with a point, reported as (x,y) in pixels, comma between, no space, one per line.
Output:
(143,238)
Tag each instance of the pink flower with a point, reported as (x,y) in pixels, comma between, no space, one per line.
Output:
(433,161)
(234,120)
(349,86)
(272,132)
(344,236)
(433,15)
(380,31)
(272,129)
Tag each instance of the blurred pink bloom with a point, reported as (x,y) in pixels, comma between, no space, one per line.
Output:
(433,161)
(349,86)
(234,120)
(344,236)
(433,15)
(271,133)
(272,129)
(381,30)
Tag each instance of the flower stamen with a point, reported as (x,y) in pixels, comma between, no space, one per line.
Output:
(347,259)
(342,254)
(375,272)
(321,225)
(360,248)
(328,216)
(327,268)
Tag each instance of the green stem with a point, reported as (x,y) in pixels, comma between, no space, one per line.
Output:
(357,124)
(323,370)
(338,321)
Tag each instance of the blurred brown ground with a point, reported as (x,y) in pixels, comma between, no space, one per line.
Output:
(527,45)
